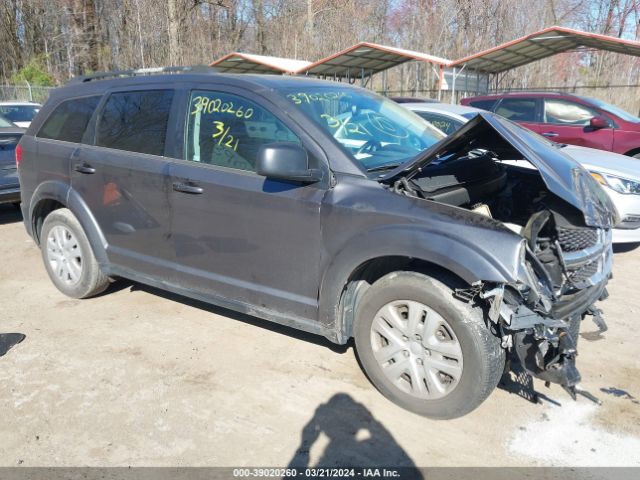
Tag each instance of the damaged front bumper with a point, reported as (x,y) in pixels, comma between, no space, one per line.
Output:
(540,326)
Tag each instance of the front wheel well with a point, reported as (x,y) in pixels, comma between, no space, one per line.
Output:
(43,208)
(371,270)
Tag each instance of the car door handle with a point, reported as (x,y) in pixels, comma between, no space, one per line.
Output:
(84,168)
(550,134)
(187,188)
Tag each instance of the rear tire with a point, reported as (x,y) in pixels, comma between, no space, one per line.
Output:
(68,256)
(446,369)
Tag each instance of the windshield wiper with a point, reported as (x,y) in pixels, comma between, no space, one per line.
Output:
(388,166)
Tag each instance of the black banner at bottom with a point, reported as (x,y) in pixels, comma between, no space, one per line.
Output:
(401,473)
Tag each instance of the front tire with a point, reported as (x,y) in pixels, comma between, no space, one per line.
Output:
(68,256)
(424,349)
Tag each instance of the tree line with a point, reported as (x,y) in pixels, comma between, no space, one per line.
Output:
(49,41)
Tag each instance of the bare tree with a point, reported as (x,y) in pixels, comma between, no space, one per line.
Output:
(70,37)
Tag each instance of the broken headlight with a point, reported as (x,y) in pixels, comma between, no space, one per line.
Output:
(597,207)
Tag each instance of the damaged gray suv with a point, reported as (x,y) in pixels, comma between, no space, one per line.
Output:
(329,209)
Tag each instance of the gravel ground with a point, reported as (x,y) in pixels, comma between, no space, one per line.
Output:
(140,377)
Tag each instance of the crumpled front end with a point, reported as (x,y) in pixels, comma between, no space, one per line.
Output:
(564,271)
(497,169)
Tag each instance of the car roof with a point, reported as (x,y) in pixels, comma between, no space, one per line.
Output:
(246,79)
(79,87)
(531,93)
(414,107)
(285,81)
(20,104)
(444,108)
(413,100)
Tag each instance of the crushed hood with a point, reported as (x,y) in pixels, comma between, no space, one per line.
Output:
(562,175)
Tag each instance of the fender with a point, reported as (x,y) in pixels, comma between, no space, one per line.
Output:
(63,193)
(461,256)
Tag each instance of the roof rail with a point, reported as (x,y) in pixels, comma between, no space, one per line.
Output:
(140,72)
(533,90)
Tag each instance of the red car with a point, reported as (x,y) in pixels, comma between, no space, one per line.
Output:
(568,119)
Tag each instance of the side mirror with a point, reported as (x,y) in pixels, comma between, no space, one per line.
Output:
(286,161)
(597,123)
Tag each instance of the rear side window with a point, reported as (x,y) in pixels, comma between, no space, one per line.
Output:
(135,121)
(69,119)
(518,109)
(483,104)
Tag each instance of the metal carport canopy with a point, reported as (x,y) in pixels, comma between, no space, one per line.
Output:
(542,44)
(366,58)
(238,62)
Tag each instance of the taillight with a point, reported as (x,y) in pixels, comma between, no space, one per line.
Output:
(18,155)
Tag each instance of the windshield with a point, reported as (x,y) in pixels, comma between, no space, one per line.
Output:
(617,111)
(19,113)
(5,123)
(376,132)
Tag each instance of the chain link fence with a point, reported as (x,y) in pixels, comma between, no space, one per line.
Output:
(24,93)
(626,97)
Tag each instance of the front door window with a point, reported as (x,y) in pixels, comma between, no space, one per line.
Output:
(228,130)
(562,112)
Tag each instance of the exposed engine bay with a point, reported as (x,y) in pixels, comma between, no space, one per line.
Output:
(565,263)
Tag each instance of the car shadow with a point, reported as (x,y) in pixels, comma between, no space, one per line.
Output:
(115,285)
(9,340)
(225,312)
(9,214)
(353,438)
(625,247)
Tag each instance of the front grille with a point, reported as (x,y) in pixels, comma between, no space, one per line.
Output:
(574,239)
(584,272)
(586,264)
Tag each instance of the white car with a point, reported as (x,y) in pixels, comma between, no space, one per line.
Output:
(618,174)
(20,113)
